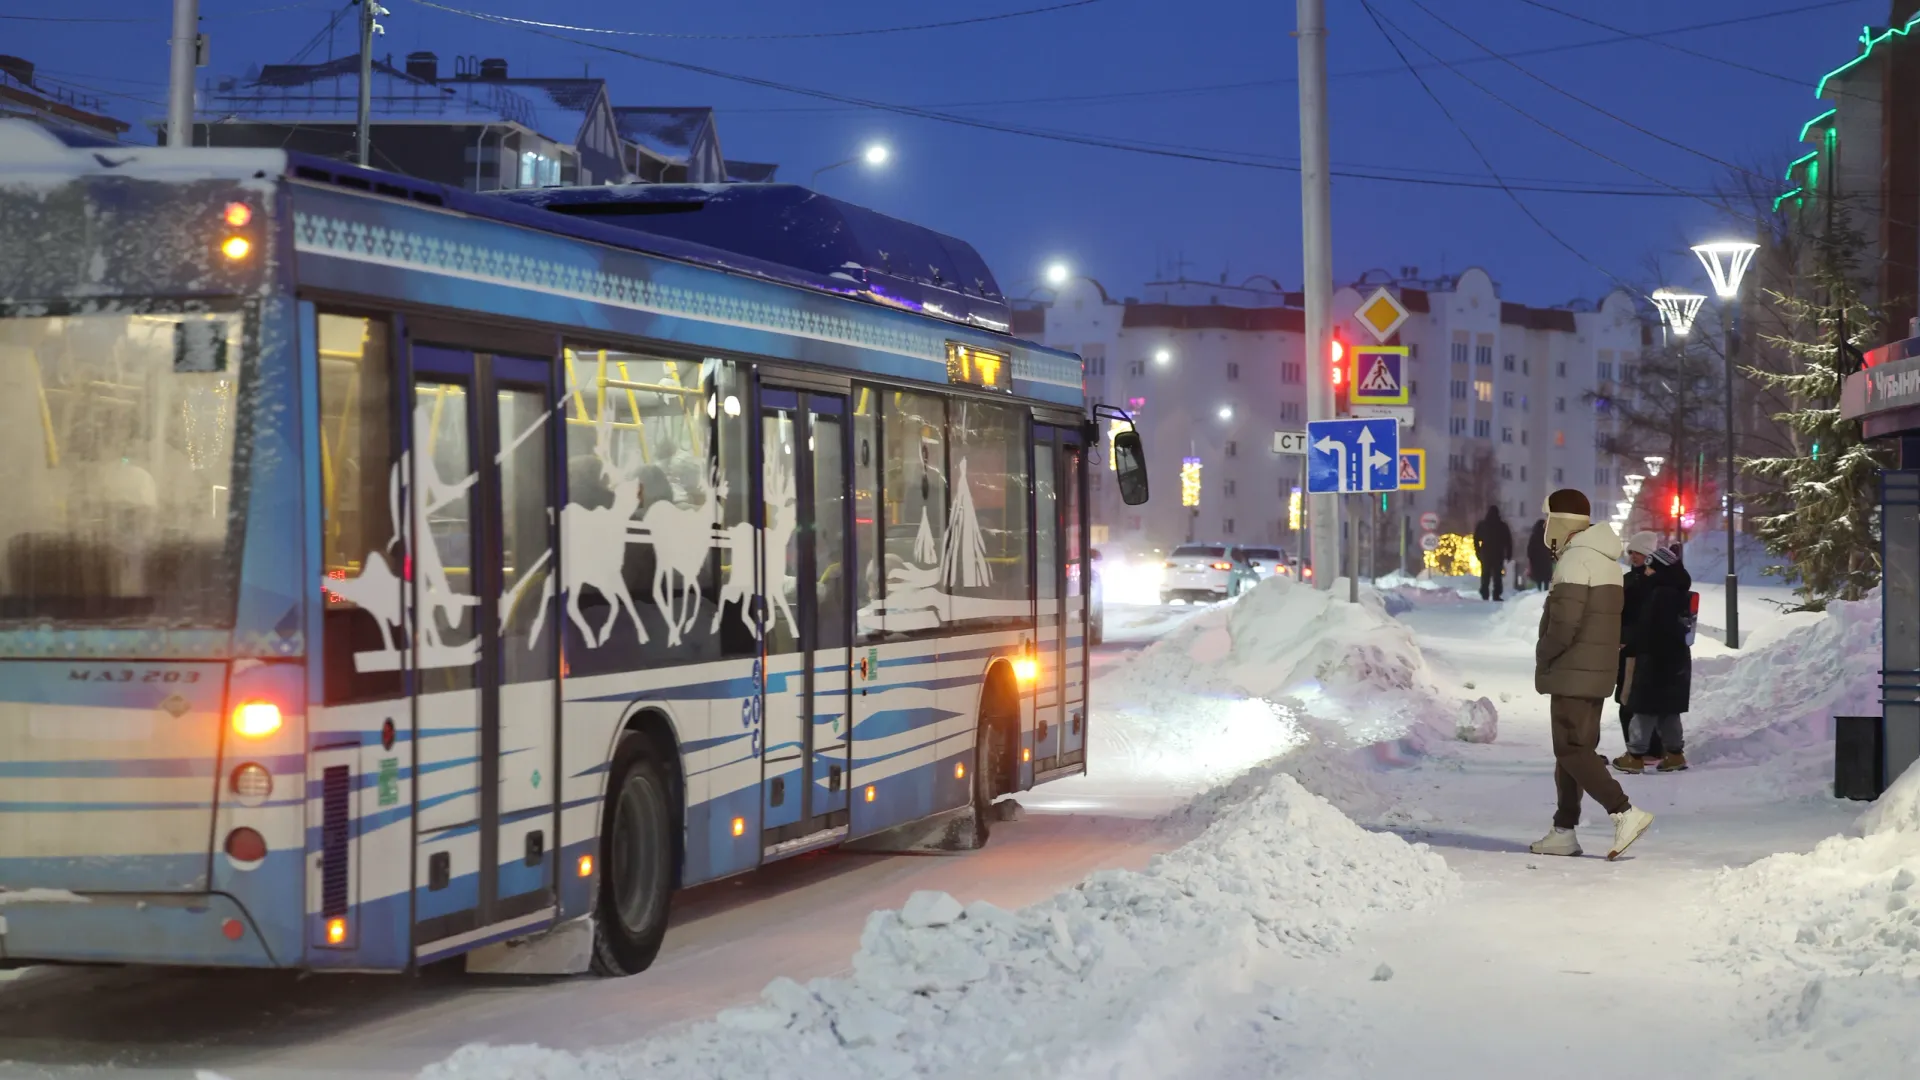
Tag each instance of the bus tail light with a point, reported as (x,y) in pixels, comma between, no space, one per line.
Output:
(256,719)
(252,782)
(246,846)
(336,931)
(236,247)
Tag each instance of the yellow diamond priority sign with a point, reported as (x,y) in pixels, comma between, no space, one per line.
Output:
(1381,314)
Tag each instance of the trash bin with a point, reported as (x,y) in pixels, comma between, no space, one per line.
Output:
(1857,756)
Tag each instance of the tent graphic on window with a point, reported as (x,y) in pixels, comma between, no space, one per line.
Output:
(964,563)
(924,551)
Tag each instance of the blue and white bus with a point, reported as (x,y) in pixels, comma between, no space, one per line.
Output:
(390,572)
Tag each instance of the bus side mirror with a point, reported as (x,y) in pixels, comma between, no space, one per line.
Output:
(1130,462)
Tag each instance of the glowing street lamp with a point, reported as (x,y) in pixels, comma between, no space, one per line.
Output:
(1058,273)
(875,154)
(1654,461)
(1163,357)
(1677,309)
(1226,412)
(1727,262)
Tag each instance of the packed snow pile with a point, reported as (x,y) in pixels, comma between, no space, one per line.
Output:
(1782,695)
(1479,722)
(1519,615)
(1850,906)
(1291,643)
(1106,972)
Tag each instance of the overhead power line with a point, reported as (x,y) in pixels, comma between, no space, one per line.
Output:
(813,36)
(1072,138)
(1651,39)
(1615,38)
(1367,5)
(1577,99)
(152,18)
(1551,128)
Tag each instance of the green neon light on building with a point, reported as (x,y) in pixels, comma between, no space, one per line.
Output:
(1868,42)
(1808,126)
(1811,155)
(1785,197)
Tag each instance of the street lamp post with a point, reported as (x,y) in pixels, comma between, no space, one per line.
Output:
(876,155)
(1726,262)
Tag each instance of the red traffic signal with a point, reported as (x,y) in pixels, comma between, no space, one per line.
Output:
(1679,511)
(1337,354)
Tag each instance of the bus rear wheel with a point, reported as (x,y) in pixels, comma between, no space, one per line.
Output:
(636,849)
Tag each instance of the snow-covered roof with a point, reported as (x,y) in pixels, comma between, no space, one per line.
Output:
(891,260)
(563,106)
(33,154)
(751,172)
(330,93)
(666,132)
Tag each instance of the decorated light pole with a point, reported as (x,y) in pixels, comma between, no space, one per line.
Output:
(1727,262)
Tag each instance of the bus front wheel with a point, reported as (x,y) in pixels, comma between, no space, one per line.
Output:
(636,844)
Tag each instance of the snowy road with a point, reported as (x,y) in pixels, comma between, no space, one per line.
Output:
(799,918)
(1287,936)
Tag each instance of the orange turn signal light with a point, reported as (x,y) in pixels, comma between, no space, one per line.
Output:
(256,719)
(586,866)
(236,247)
(336,931)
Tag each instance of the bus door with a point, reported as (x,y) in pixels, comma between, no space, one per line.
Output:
(1073,537)
(808,620)
(482,599)
(1050,592)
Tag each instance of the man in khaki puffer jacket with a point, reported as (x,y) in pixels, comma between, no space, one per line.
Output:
(1576,663)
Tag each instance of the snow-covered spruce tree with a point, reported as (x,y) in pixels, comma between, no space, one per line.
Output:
(1823,513)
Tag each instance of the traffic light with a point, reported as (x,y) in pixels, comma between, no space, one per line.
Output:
(1337,372)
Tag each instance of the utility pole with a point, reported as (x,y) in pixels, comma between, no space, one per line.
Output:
(1316,246)
(370,10)
(185,45)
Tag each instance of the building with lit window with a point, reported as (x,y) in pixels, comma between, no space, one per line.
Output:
(1507,399)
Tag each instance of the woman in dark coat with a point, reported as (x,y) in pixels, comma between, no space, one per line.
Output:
(1539,556)
(1662,679)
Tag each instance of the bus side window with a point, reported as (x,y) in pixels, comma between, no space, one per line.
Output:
(361,627)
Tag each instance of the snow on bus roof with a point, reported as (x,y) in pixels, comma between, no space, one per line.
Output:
(32,155)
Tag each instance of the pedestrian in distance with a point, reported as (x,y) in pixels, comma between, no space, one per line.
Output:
(1640,547)
(1493,544)
(1539,556)
(1576,664)
(1662,672)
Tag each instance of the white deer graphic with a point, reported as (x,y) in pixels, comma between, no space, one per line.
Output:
(595,541)
(738,588)
(682,536)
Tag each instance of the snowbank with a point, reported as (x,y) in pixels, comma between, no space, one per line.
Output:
(1519,615)
(1103,974)
(1782,694)
(1851,906)
(1350,664)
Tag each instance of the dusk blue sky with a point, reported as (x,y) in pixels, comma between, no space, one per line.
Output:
(1123,217)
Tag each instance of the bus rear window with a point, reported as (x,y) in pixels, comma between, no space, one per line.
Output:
(118,434)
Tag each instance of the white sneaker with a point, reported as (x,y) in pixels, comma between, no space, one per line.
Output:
(1628,824)
(1557,842)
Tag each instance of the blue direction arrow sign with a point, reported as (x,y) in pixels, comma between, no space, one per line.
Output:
(1352,457)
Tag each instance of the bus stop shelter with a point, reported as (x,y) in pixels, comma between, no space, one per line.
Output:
(1885,397)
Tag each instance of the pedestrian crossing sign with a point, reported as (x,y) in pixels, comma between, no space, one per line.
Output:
(1379,375)
(1413,470)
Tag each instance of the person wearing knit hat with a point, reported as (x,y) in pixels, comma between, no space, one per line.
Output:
(1634,583)
(1576,664)
(1657,693)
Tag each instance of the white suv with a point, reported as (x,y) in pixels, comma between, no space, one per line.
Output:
(1202,573)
